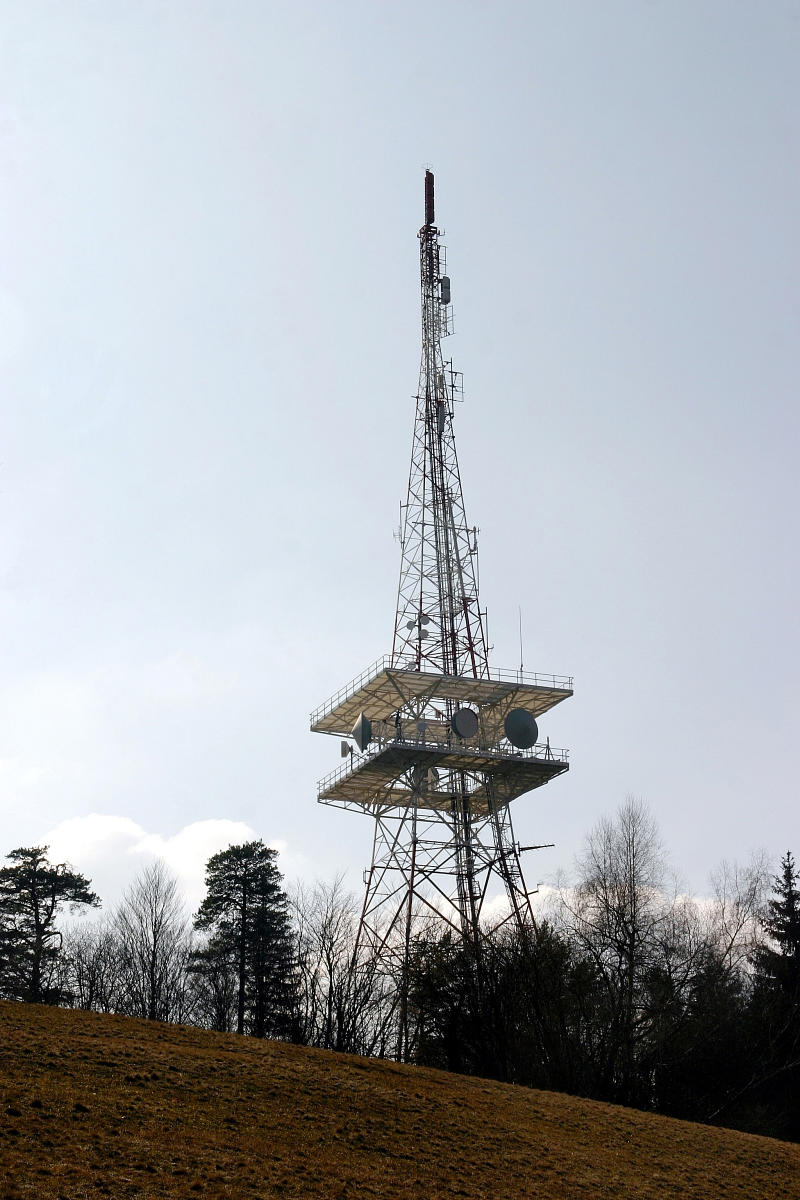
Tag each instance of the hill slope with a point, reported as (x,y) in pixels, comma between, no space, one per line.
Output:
(94,1106)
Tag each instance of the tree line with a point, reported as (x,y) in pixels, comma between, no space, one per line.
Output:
(628,990)
(252,960)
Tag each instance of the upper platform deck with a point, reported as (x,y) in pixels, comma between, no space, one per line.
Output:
(382,689)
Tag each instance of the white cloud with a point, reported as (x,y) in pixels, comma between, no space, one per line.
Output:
(111,850)
(497,907)
(292,864)
(187,852)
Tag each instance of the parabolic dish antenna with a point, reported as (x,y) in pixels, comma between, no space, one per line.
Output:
(464,722)
(520,728)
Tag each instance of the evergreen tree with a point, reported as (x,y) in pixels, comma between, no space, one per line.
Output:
(775,1010)
(706,1055)
(781,964)
(245,914)
(32,893)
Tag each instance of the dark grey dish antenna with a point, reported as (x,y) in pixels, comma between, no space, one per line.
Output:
(464,722)
(521,729)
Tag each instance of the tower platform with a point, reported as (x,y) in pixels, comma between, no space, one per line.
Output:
(412,739)
(382,689)
(381,778)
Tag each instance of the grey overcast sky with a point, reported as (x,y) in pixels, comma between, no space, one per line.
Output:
(209,342)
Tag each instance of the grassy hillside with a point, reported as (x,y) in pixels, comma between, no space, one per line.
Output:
(95,1106)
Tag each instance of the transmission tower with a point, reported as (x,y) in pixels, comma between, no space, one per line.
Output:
(444,742)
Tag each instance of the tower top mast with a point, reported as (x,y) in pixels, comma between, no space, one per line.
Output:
(430,215)
(438,624)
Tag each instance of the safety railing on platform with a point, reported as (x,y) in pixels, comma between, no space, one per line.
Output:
(350,689)
(498,674)
(541,752)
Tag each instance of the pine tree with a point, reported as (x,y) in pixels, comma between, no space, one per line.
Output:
(245,914)
(775,1010)
(781,965)
(32,893)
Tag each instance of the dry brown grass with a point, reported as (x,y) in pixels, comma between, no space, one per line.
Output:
(95,1106)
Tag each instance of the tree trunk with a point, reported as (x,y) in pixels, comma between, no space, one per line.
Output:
(242,959)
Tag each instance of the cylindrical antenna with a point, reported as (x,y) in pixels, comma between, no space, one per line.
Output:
(429,213)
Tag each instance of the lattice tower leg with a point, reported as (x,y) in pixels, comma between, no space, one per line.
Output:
(441,863)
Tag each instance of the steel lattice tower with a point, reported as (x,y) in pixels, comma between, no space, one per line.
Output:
(445,742)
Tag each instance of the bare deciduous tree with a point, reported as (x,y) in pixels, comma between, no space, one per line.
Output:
(154,939)
(342,1001)
(735,916)
(617,916)
(94,966)
(214,971)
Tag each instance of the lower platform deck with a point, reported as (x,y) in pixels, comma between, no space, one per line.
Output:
(393,773)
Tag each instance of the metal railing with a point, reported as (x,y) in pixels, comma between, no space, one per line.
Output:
(350,689)
(531,678)
(498,674)
(541,751)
